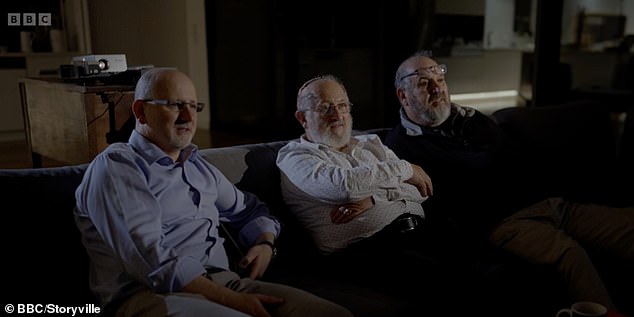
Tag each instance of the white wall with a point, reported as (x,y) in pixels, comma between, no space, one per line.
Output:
(498,23)
(628,10)
(493,70)
(155,32)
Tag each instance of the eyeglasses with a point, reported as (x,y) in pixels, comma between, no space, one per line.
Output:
(176,105)
(325,108)
(427,72)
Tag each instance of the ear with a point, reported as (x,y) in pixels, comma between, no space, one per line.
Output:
(402,98)
(138,111)
(301,118)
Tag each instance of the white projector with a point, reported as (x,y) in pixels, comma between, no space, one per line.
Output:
(95,64)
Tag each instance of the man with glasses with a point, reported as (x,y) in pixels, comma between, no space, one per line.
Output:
(436,133)
(149,212)
(462,150)
(361,205)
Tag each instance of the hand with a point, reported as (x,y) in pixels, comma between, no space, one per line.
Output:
(345,213)
(421,180)
(257,259)
(252,304)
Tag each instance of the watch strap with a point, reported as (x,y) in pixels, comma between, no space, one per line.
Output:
(270,244)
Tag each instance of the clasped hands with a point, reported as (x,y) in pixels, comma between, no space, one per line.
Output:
(346,212)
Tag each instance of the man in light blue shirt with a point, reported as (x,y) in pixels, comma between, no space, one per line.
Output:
(149,212)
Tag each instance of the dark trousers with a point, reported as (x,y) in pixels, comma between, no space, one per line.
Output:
(558,233)
(428,265)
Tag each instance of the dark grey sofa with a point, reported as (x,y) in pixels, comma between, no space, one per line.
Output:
(47,262)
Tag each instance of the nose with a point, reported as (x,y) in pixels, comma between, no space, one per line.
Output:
(186,113)
(333,110)
(433,88)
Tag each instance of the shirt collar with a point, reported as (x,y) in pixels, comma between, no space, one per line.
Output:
(411,128)
(351,145)
(152,153)
(457,111)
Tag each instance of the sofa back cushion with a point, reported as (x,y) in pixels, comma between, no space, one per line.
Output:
(253,168)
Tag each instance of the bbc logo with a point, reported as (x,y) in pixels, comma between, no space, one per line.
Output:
(29,19)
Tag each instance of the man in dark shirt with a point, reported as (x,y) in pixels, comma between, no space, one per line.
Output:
(462,151)
(459,148)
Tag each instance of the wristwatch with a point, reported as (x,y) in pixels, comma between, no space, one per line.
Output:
(270,244)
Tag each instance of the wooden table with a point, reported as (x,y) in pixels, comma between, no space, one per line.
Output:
(72,123)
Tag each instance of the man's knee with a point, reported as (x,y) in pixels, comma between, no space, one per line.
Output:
(143,304)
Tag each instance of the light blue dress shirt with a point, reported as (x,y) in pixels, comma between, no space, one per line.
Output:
(148,222)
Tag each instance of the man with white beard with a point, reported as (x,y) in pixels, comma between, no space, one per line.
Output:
(362,205)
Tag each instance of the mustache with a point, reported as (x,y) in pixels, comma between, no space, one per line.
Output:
(437,97)
(336,123)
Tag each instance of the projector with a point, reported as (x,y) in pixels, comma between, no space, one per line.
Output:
(96,64)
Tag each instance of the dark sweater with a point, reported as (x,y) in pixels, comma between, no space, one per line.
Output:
(464,158)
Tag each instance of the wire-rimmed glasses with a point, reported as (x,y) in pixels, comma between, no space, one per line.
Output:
(177,106)
(327,107)
(427,72)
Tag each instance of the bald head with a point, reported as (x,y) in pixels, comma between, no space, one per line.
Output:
(410,64)
(156,83)
(308,94)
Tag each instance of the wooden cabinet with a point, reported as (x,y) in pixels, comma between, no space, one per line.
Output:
(69,19)
(14,66)
(72,123)
(10,113)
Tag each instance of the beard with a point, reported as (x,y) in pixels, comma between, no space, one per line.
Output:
(327,136)
(430,116)
(182,138)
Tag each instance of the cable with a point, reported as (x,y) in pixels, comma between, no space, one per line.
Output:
(107,108)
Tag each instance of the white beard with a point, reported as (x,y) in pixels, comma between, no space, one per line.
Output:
(431,116)
(328,138)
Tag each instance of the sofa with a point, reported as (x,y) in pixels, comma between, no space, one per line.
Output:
(575,149)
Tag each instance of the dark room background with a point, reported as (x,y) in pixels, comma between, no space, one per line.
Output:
(262,51)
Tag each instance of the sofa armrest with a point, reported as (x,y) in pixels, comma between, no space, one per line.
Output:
(43,250)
